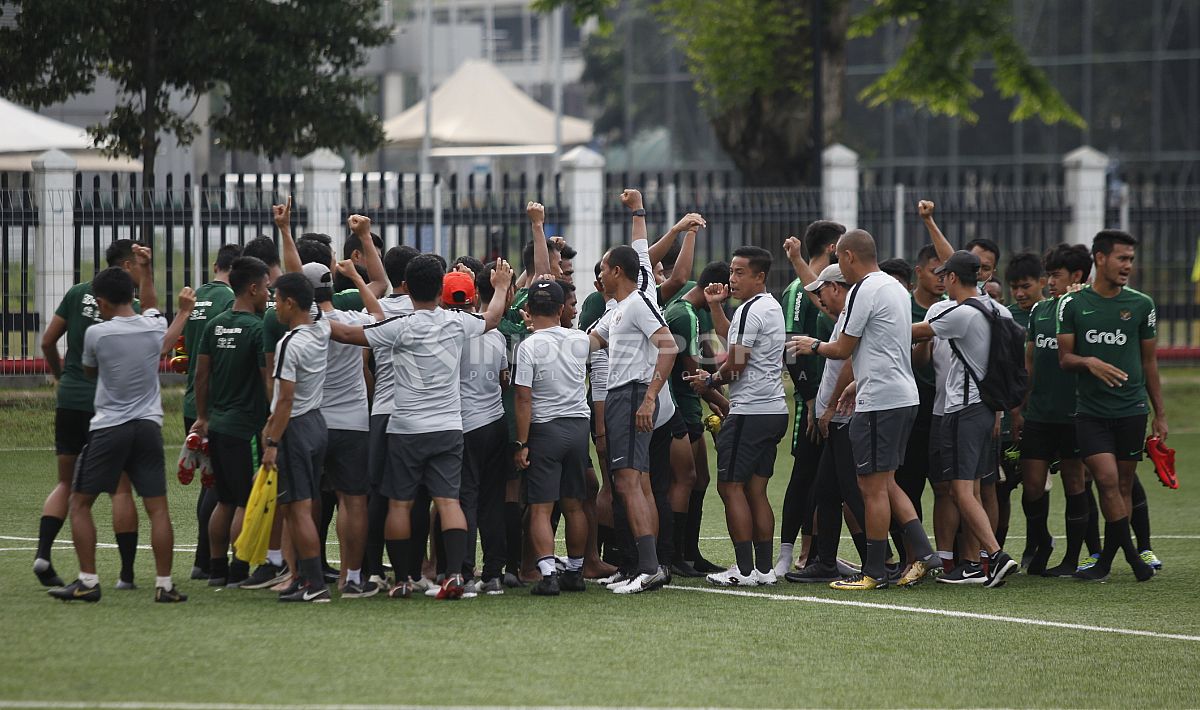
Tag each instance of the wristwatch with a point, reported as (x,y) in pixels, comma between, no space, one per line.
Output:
(816,346)
(639,213)
(518,445)
(271,443)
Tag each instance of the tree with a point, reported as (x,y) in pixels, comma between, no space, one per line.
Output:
(752,65)
(284,68)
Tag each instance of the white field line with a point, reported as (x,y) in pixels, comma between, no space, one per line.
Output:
(1156,536)
(937,612)
(136,705)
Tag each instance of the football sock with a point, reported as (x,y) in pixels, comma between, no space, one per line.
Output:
(218,567)
(873,564)
(89,579)
(1036,512)
(512,534)
(127,547)
(647,554)
(785,553)
(1093,523)
(574,564)
(1077,525)
(546,565)
(743,555)
(310,572)
(275,557)
(695,516)
(860,544)
(48,530)
(916,538)
(164,583)
(1139,518)
(763,559)
(238,570)
(679,534)
(605,540)
(455,542)
(354,576)
(399,552)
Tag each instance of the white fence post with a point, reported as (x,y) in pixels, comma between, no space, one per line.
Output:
(583,190)
(1084,183)
(54,194)
(322,195)
(898,220)
(839,185)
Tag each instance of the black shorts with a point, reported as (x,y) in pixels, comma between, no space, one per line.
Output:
(936,472)
(133,447)
(695,431)
(377,443)
(1042,441)
(70,431)
(233,467)
(301,451)
(968,450)
(679,428)
(880,438)
(432,459)
(557,460)
(346,469)
(1124,437)
(747,446)
(627,447)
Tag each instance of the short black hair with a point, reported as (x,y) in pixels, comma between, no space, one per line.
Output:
(986,245)
(262,248)
(120,250)
(1025,265)
(353,244)
(294,285)
(597,269)
(483,283)
(313,251)
(568,252)
(1105,239)
(927,254)
(1069,257)
(715,273)
(342,283)
(566,286)
(114,285)
(820,234)
(395,261)
(225,256)
(897,268)
(246,271)
(625,258)
(475,265)
(316,237)
(424,277)
(759,258)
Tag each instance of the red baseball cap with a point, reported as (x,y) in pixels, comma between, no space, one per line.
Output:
(458,289)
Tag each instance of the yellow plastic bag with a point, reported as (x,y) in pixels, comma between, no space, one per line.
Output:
(251,545)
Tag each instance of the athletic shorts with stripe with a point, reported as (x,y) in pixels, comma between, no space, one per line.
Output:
(747,444)
(627,447)
(880,438)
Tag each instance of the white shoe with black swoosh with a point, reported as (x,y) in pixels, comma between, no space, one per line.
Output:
(643,583)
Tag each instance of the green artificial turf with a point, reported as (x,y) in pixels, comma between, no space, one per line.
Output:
(670,648)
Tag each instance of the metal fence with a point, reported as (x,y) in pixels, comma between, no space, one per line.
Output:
(484,216)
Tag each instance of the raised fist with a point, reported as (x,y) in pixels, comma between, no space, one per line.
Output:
(793,248)
(925,209)
(282,214)
(536,212)
(632,199)
(359,224)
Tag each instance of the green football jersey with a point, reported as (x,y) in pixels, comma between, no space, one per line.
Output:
(1020,315)
(924,374)
(688,286)
(684,323)
(591,310)
(237,398)
(80,310)
(273,331)
(212,299)
(1111,329)
(802,317)
(1052,399)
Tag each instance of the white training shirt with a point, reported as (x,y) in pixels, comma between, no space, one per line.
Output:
(396,304)
(125,351)
(879,313)
(552,363)
(631,353)
(426,350)
(344,402)
(972,333)
(940,357)
(598,375)
(758,324)
(300,357)
(481,395)
(833,369)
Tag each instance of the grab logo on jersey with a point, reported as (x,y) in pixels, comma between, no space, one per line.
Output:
(1045,341)
(1102,337)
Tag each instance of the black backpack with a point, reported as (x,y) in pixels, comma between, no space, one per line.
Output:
(1002,388)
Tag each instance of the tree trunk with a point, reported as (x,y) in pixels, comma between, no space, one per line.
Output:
(150,93)
(769,137)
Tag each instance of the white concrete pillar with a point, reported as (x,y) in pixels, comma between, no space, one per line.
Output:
(839,185)
(321,195)
(54,195)
(583,190)
(1085,182)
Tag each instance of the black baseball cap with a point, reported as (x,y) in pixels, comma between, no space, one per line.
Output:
(546,292)
(961,263)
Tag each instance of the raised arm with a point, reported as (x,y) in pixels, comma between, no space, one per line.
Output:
(145,272)
(370,300)
(541,250)
(659,249)
(792,247)
(715,295)
(501,279)
(348,334)
(282,215)
(683,264)
(379,284)
(187,302)
(940,243)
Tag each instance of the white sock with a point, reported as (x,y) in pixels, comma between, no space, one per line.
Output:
(785,551)
(574,564)
(275,557)
(354,575)
(164,583)
(40,565)
(546,566)
(89,579)
(944,555)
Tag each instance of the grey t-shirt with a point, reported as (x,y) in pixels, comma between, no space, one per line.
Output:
(344,402)
(879,313)
(126,352)
(483,359)
(758,324)
(833,369)
(971,332)
(426,350)
(396,304)
(627,330)
(300,357)
(552,363)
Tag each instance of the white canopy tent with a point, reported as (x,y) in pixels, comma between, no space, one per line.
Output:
(478,111)
(28,134)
